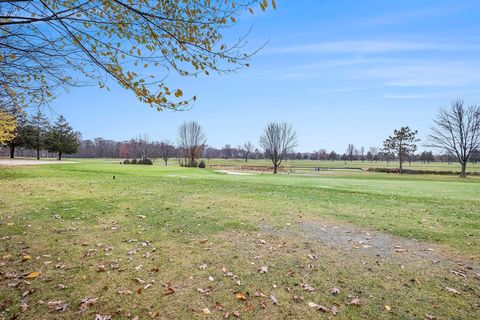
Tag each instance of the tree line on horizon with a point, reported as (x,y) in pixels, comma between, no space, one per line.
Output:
(456,131)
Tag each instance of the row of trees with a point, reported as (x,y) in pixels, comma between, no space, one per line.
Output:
(18,130)
(456,131)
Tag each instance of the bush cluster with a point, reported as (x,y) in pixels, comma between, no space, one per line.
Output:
(410,171)
(139,161)
(193,164)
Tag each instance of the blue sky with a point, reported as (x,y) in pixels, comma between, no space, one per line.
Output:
(340,71)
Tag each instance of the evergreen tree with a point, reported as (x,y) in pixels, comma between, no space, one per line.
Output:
(61,138)
(401,144)
(38,129)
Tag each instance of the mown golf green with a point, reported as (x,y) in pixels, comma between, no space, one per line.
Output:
(101,240)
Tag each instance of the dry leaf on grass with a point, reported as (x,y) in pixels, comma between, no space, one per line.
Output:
(58,305)
(23,306)
(169,290)
(452,290)
(355,302)
(86,303)
(335,291)
(263,269)
(33,275)
(240,295)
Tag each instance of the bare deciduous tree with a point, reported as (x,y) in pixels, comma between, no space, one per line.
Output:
(139,146)
(278,139)
(192,141)
(457,131)
(248,146)
(350,151)
(166,150)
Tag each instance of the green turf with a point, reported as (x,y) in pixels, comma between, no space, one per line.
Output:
(58,212)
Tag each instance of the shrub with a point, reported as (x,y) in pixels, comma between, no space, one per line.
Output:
(145,161)
(418,171)
(133,161)
(126,161)
(202,164)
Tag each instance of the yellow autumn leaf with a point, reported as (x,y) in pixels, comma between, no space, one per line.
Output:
(33,275)
(388,308)
(26,257)
(178,93)
(240,296)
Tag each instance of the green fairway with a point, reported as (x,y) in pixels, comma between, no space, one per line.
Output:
(138,239)
(303,164)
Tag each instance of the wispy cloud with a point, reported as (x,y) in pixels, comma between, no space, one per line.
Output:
(356,47)
(371,47)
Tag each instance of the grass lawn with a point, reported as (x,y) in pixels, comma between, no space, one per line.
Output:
(432,166)
(178,243)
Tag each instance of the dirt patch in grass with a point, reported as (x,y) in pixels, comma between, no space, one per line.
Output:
(394,249)
(29,162)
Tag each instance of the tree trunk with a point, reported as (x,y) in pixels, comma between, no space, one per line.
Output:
(12,151)
(275,166)
(166,162)
(401,163)
(59,156)
(463,174)
(38,154)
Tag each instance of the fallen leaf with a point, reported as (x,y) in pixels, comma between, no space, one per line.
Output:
(100,317)
(355,302)
(459,273)
(263,269)
(307,287)
(86,303)
(258,293)
(169,290)
(388,308)
(33,275)
(274,300)
(203,266)
(26,257)
(23,306)
(334,310)
(335,291)
(240,295)
(206,311)
(452,290)
(59,306)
